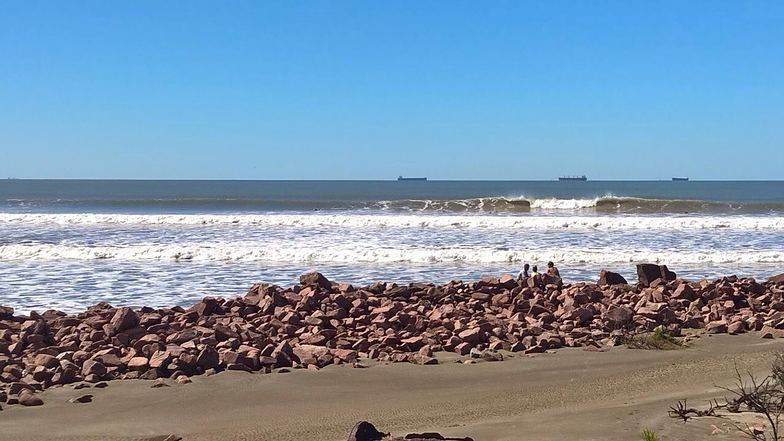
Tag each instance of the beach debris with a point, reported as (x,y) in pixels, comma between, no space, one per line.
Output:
(365,431)
(86,398)
(318,323)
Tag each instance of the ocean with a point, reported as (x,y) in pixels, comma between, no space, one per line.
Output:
(67,244)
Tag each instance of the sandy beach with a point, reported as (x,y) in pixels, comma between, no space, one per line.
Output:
(571,394)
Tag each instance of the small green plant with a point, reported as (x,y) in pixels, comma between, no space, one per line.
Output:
(648,435)
(658,339)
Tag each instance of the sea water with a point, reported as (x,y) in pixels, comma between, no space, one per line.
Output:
(69,244)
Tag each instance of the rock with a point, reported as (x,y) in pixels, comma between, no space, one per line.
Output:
(6,312)
(182,379)
(208,358)
(648,272)
(159,383)
(736,327)
(26,398)
(472,336)
(86,398)
(124,319)
(314,278)
(47,361)
(620,316)
(424,359)
(770,332)
(610,278)
(463,348)
(138,363)
(365,431)
(777,279)
(717,327)
(92,367)
(684,292)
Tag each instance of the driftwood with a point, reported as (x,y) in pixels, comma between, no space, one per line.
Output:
(765,397)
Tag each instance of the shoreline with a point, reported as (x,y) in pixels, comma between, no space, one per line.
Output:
(318,323)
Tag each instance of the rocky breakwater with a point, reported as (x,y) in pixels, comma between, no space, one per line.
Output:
(319,323)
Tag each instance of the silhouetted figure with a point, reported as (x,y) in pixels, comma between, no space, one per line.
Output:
(552,270)
(524,273)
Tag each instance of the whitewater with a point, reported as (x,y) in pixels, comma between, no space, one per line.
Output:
(69,244)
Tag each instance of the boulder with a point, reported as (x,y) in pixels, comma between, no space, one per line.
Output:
(26,398)
(777,279)
(619,316)
(648,272)
(610,278)
(92,367)
(6,312)
(124,319)
(315,278)
(208,358)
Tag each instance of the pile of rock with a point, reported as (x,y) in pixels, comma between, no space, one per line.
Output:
(318,323)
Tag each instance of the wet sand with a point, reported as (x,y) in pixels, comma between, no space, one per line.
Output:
(571,394)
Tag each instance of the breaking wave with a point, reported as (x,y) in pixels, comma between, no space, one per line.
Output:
(407,220)
(493,204)
(352,253)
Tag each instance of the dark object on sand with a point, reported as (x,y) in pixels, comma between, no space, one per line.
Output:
(364,431)
(648,272)
(432,436)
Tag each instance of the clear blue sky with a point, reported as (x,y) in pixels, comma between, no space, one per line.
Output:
(353,90)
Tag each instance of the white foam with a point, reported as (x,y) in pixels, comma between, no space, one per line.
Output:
(564,204)
(324,220)
(356,252)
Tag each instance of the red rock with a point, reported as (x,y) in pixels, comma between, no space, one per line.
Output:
(26,398)
(717,327)
(92,367)
(124,319)
(208,358)
(777,279)
(473,335)
(160,359)
(736,327)
(46,361)
(138,363)
(423,359)
(315,278)
(463,348)
(619,316)
(684,292)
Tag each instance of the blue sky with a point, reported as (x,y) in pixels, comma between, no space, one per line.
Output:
(370,90)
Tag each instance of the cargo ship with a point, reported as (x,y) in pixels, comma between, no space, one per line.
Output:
(680,179)
(401,178)
(573,178)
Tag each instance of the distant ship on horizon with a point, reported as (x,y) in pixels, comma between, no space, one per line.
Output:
(401,178)
(680,179)
(573,178)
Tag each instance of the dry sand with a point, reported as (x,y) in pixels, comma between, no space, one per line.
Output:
(571,394)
